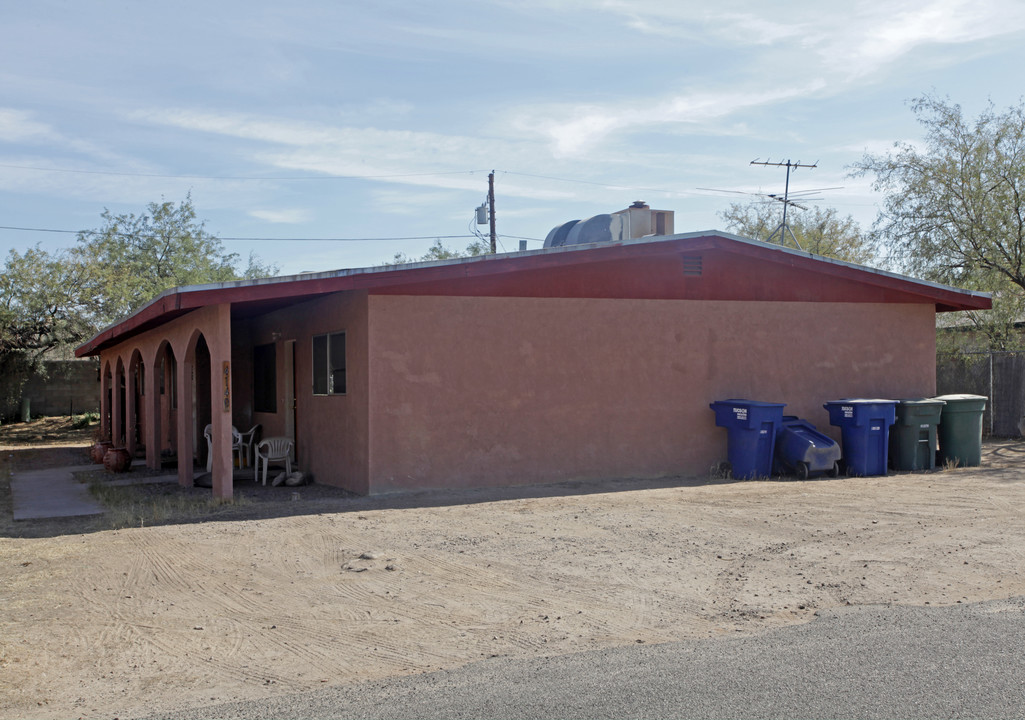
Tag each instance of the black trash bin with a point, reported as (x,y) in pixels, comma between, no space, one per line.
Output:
(913,436)
(960,433)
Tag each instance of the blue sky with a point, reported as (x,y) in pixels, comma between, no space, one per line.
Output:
(382,119)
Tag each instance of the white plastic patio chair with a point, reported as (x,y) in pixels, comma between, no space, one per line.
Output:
(273,449)
(236,445)
(246,445)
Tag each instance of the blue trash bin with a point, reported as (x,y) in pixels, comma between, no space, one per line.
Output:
(804,451)
(750,434)
(865,432)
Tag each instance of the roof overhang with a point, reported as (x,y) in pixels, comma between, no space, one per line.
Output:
(728,267)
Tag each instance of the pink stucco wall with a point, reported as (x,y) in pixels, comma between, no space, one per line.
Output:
(331,431)
(496,391)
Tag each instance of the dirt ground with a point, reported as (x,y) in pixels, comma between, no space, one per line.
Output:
(287,595)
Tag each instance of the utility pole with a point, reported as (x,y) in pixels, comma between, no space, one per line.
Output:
(491,207)
(783,228)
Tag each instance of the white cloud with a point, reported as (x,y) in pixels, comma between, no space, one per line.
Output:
(736,23)
(873,37)
(815,55)
(21,128)
(877,146)
(18,126)
(580,128)
(421,158)
(289,216)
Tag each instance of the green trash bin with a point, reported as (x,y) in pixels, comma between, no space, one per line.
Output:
(913,435)
(960,432)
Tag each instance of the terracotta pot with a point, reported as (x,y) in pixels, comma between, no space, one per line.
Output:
(117,460)
(99,450)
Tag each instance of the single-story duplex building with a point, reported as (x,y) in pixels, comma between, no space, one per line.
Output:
(576,362)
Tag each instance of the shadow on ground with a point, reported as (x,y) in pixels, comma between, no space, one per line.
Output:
(1002,461)
(256,501)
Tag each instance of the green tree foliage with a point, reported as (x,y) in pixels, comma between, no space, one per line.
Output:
(438,251)
(819,231)
(43,300)
(133,258)
(955,207)
(50,302)
(44,304)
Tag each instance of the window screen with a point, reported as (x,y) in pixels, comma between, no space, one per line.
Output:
(329,364)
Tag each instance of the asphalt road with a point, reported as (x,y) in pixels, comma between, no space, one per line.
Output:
(964,661)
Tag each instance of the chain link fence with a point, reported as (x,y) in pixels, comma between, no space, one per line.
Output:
(1000,376)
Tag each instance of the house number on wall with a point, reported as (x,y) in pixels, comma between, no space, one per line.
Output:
(227,386)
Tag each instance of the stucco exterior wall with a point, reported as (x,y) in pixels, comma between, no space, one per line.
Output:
(497,391)
(331,431)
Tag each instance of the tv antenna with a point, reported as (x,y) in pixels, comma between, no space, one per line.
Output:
(783,228)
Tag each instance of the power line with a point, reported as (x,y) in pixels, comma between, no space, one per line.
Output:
(28,229)
(607,186)
(366,239)
(239,177)
(291,178)
(386,176)
(279,239)
(252,239)
(521,237)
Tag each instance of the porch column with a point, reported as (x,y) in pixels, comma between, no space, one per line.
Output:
(185,454)
(151,411)
(219,343)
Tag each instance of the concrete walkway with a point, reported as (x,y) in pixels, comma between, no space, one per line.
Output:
(55,493)
(52,493)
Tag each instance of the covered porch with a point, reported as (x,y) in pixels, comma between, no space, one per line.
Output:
(180,392)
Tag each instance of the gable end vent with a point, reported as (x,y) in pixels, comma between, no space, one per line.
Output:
(692,266)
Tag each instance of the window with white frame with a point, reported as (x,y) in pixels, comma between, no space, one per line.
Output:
(329,364)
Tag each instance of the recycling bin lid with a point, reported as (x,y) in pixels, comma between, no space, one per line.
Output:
(861,401)
(963,403)
(919,412)
(751,403)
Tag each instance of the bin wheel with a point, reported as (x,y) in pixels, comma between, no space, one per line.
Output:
(801,470)
(835,472)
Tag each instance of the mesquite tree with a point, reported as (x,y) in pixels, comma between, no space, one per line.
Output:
(954,209)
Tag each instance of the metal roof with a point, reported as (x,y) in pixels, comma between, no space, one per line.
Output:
(479,275)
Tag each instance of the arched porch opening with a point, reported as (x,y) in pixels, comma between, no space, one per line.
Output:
(162,404)
(119,410)
(106,403)
(202,411)
(135,419)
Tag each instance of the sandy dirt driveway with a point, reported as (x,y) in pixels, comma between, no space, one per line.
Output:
(136,621)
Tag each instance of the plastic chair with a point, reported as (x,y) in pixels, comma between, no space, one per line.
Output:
(273,449)
(236,445)
(246,445)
